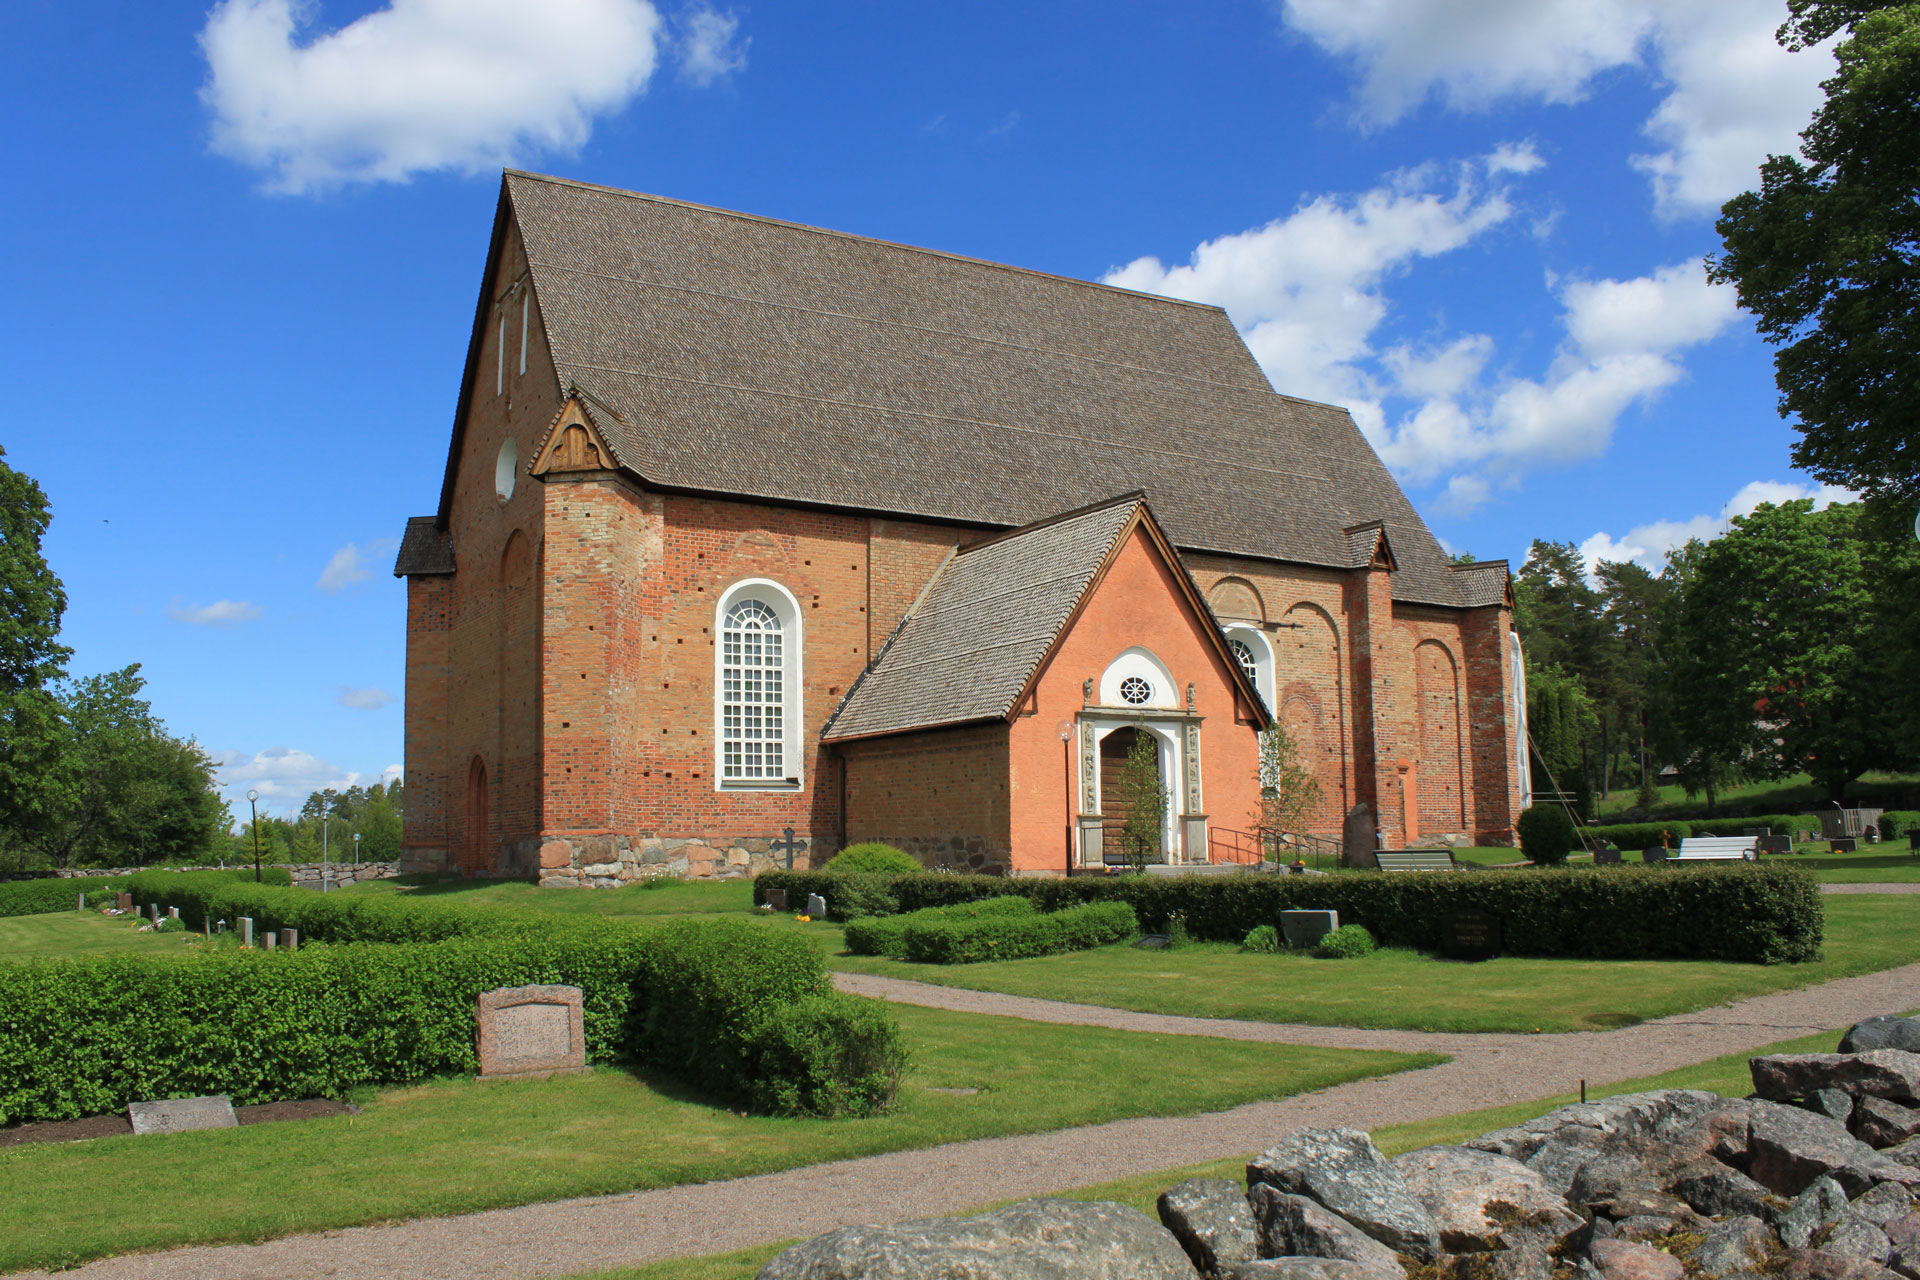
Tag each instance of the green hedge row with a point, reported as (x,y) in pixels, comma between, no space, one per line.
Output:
(1765,913)
(945,938)
(887,935)
(391,997)
(1642,835)
(44,897)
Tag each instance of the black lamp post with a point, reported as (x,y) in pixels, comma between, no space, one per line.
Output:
(252,804)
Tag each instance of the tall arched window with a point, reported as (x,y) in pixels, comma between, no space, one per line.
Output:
(1254,653)
(758,705)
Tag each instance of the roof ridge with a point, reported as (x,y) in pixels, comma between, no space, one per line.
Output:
(848,235)
(1130,496)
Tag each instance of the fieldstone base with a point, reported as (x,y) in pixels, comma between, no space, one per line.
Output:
(602,861)
(971,855)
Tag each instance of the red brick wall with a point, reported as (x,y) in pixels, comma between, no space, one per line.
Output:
(940,795)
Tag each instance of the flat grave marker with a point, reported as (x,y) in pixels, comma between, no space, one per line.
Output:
(1471,935)
(183,1115)
(530,1031)
(1606,856)
(777,899)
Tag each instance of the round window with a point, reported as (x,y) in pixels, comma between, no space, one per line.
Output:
(506,470)
(1136,691)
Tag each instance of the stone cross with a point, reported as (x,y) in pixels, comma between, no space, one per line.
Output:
(788,844)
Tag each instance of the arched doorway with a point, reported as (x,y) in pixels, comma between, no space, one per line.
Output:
(1115,804)
(473,858)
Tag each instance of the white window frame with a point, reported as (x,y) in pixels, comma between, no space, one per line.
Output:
(1263,659)
(526,312)
(786,608)
(1143,663)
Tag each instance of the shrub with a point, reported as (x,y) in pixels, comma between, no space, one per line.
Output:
(861,896)
(1642,835)
(1348,942)
(1262,938)
(1546,835)
(1775,823)
(1895,823)
(56,893)
(1768,913)
(870,857)
(960,940)
(829,1055)
(886,935)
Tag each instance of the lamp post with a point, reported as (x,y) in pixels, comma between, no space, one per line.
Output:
(356,849)
(253,798)
(326,829)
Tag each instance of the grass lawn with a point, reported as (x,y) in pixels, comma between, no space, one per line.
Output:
(65,934)
(1872,790)
(461,1145)
(1890,862)
(1394,988)
(1728,1075)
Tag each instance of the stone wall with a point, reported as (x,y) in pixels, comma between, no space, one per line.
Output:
(609,861)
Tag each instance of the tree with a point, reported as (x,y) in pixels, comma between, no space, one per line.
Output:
(31,597)
(1560,717)
(1145,797)
(1824,254)
(1288,790)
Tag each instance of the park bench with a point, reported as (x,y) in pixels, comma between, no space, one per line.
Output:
(1716,849)
(1416,859)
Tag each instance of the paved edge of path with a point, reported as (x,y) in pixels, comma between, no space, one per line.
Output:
(566,1237)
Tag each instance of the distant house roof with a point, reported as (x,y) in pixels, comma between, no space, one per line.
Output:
(727,353)
(970,647)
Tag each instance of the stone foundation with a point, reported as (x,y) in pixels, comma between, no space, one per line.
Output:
(609,861)
(969,855)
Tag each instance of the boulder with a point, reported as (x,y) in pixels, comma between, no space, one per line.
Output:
(1882,1033)
(1835,1104)
(1661,1129)
(1656,1204)
(1032,1240)
(1905,1261)
(1813,1210)
(1738,1244)
(1477,1196)
(1880,1123)
(1854,1237)
(1907,1153)
(1598,1183)
(1655,1226)
(1718,1191)
(1297,1269)
(1887,1202)
(1814,1264)
(1631,1260)
(1788,1148)
(1345,1172)
(1879,1073)
(1211,1220)
(1903,1231)
(1291,1226)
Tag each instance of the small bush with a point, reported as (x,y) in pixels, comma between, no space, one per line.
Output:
(1895,823)
(1262,938)
(829,1055)
(862,896)
(1348,942)
(872,858)
(952,940)
(167,924)
(886,935)
(1546,835)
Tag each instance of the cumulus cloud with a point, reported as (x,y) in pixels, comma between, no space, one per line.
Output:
(709,46)
(420,85)
(285,777)
(1648,544)
(365,699)
(221,613)
(351,564)
(1733,96)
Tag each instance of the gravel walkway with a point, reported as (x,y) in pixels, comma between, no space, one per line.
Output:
(1870,888)
(570,1236)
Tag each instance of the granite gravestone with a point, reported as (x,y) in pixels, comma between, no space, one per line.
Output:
(530,1031)
(1606,856)
(1654,853)
(816,906)
(1359,839)
(1845,844)
(1773,846)
(126,902)
(1306,928)
(246,930)
(777,899)
(183,1115)
(267,940)
(289,939)
(1470,935)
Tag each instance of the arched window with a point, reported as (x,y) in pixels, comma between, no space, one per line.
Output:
(1255,655)
(757,694)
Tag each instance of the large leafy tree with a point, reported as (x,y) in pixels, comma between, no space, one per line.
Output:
(31,597)
(1824,253)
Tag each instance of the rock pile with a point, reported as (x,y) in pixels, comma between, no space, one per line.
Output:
(1816,1176)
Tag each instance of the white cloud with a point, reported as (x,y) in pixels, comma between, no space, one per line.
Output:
(1674,307)
(285,777)
(351,564)
(710,48)
(1515,157)
(418,86)
(365,699)
(221,613)
(1647,545)
(1733,96)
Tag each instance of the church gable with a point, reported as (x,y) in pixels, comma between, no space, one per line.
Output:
(573,443)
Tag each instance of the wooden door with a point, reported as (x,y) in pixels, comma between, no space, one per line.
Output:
(1114,810)
(474,859)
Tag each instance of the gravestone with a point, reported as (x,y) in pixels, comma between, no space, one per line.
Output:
(1845,844)
(154,909)
(788,845)
(530,1031)
(1470,935)
(1306,928)
(1654,853)
(1359,839)
(1767,846)
(1152,942)
(173,913)
(183,1115)
(267,940)
(289,939)
(816,906)
(126,902)
(83,902)
(246,930)
(777,899)
(1606,856)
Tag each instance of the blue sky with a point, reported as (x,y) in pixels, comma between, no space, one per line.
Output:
(249,238)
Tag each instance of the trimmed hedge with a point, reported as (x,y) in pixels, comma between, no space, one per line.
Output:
(831,1055)
(887,935)
(1641,835)
(1765,913)
(1895,823)
(391,1000)
(948,939)
(55,893)
(1546,834)
(871,857)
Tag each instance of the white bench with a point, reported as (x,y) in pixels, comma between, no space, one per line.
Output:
(1716,849)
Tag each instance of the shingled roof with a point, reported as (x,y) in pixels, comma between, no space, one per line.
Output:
(742,355)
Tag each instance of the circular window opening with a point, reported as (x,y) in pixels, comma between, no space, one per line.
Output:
(1135,691)
(506,470)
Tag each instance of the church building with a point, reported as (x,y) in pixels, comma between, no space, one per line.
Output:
(757,540)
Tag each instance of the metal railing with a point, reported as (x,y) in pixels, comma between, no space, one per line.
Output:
(1250,848)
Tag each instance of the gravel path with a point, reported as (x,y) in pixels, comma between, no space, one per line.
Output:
(570,1236)
(1870,888)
